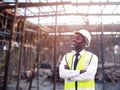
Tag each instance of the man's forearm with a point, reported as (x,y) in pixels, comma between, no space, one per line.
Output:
(67,73)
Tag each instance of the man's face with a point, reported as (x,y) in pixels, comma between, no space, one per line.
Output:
(77,41)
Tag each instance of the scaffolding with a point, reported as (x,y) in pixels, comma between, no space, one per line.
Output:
(23,41)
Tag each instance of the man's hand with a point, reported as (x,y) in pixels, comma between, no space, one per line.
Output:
(66,67)
(82,71)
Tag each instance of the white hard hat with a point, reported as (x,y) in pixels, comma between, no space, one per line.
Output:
(87,36)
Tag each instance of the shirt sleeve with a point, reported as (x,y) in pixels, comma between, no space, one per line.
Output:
(90,72)
(66,73)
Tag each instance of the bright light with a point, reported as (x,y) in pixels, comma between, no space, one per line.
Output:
(90,14)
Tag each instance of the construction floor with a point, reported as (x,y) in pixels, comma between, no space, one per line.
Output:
(45,84)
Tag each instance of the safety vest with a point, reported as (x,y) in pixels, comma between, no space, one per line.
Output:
(80,66)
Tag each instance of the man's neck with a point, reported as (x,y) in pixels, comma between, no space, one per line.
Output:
(78,50)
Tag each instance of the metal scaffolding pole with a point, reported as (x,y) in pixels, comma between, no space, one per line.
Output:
(21,53)
(102,54)
(102,58)
(10,48)
(38,52)
(38,47)
(56,28)
(33,72)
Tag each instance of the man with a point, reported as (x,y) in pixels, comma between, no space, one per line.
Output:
(78,67)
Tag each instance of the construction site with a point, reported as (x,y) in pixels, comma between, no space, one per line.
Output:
(35,34)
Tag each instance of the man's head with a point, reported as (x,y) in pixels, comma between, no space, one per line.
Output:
(81,39)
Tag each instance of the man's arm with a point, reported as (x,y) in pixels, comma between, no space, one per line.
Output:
(89,73)
(65,72)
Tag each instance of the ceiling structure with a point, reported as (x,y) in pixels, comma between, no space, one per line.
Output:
(67,12)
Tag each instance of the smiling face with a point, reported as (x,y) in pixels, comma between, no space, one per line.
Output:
(78,42)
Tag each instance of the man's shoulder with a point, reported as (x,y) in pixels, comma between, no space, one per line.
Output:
(89,52)
(92,55)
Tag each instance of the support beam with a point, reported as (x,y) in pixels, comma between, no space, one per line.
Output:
(23,5)
(70,14)
(7,5)
(95,3)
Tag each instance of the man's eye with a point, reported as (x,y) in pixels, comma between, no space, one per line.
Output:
(78,38)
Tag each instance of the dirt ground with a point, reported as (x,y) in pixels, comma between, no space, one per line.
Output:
(46,84)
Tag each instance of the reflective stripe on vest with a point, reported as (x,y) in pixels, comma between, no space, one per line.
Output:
(80,66)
